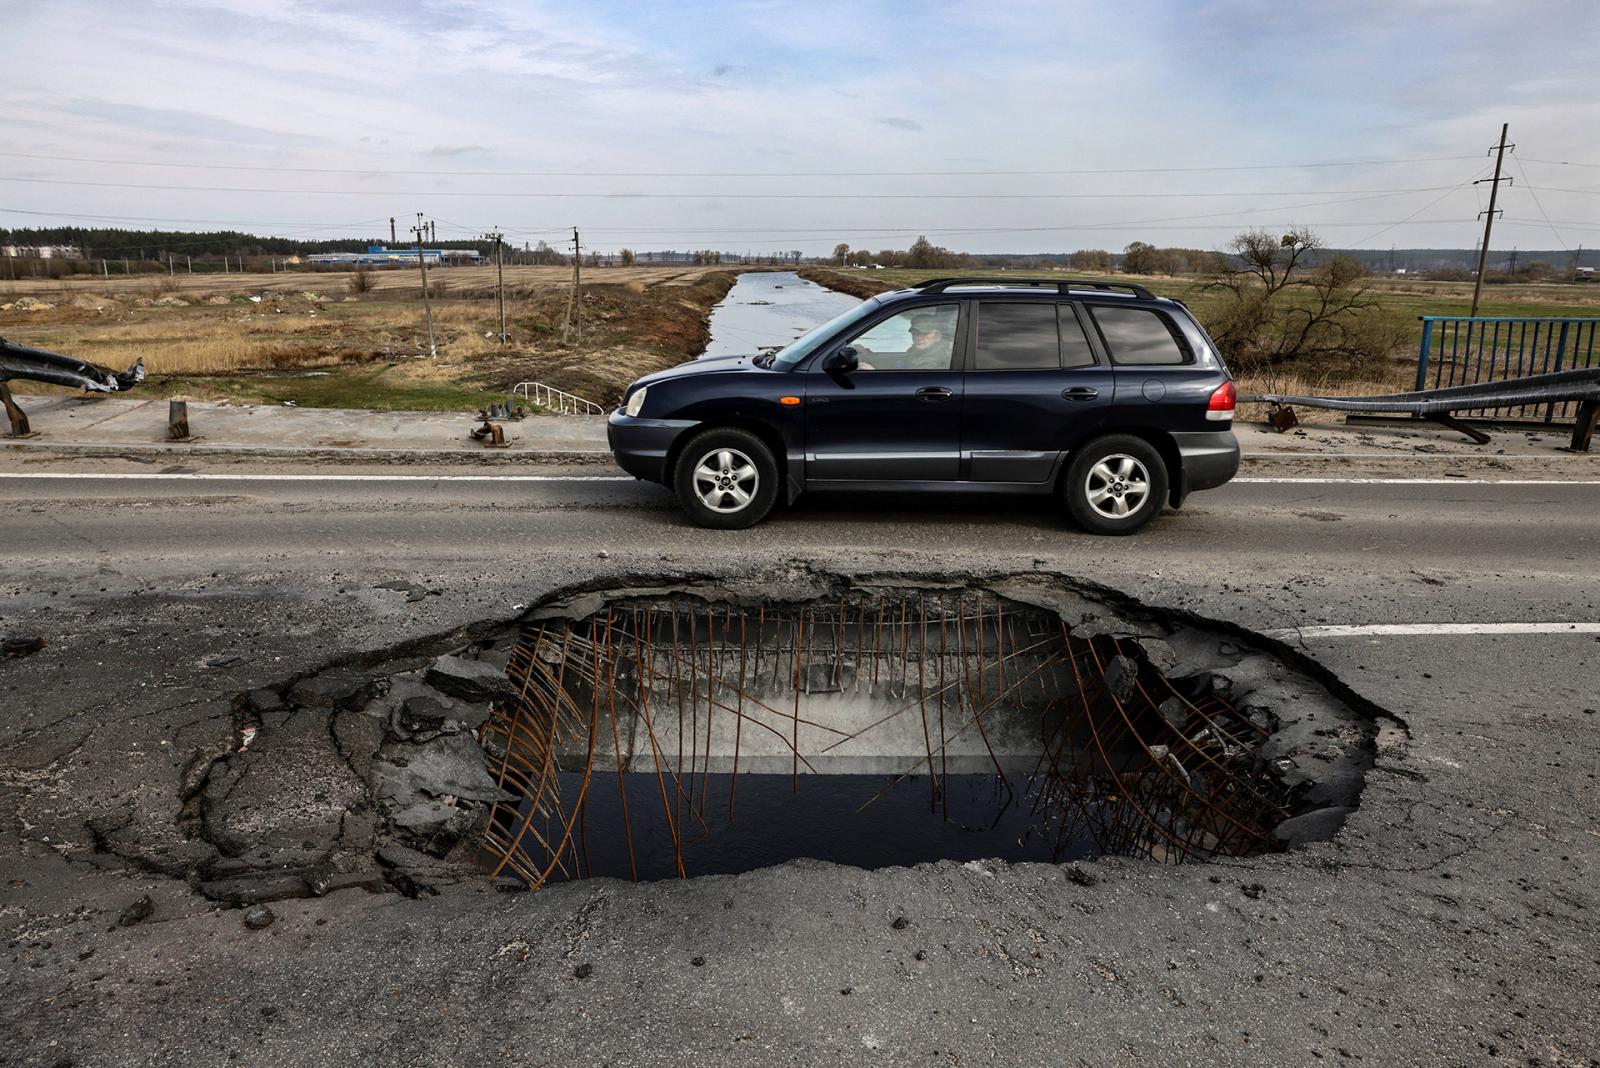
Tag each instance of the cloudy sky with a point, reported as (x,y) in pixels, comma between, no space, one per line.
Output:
(760,125)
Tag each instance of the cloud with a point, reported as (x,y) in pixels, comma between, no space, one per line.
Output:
(455,150)
(901,124)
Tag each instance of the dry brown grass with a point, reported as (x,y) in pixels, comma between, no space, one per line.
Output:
(636,321)
(1395,376)
(478,281)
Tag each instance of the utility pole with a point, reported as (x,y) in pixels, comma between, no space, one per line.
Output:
(1512,270)
(574,309)
(499,278)
(427,306)
(1488,216)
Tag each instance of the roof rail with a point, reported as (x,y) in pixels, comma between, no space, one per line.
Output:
(1063,285)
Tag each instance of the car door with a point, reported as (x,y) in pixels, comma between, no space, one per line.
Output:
(898,416)
(1160,378)
(1034,389)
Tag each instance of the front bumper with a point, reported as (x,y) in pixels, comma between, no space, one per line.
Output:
(1210,458)
(641,445)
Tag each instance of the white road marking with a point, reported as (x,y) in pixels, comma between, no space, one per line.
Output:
(1423,481)
(197,476)
(1429,629)
(212,476)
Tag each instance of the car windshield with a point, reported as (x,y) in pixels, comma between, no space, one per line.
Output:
(806,343)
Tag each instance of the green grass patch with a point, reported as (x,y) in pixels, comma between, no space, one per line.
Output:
(372,388)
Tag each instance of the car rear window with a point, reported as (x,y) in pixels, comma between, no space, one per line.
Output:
(1075,350)
(1017,337)
(1138,336)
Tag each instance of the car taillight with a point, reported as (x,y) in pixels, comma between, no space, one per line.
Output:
(1224,399)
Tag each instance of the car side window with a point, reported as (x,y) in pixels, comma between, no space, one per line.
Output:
(1138,336)
(921,339)
(1017,337)
(1075,348)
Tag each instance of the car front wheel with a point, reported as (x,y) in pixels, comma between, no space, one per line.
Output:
(726,479)
(1115,485)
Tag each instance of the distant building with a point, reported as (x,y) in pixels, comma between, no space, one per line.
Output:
(383,256)
(42,252)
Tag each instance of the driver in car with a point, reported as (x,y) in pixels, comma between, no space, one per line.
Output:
(929,350)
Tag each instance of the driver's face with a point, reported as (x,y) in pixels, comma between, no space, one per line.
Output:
(925,336)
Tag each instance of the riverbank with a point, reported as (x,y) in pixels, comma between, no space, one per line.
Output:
(312,342)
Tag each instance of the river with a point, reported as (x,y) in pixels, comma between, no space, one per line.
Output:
(770,308)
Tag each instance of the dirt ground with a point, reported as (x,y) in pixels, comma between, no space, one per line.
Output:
(313,340)
(388,280)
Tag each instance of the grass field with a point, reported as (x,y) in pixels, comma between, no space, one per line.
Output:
(307,339)
(1413,297)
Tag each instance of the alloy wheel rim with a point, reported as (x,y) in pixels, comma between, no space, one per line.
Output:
(726,480)
(1117,486)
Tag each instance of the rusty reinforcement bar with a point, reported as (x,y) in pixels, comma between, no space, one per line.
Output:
(1103,747)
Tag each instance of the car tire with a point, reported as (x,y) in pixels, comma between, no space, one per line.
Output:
(1115,485)
(726,479)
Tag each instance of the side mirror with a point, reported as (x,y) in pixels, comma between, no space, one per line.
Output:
(842,362)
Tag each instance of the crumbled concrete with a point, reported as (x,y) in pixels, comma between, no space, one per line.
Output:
(1447,922)
(473,681)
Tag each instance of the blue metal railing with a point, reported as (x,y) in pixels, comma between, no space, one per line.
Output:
(1461,352)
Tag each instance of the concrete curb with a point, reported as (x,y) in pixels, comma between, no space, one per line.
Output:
(161,450)
(519,454)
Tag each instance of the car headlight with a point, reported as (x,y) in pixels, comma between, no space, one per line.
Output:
(636,401)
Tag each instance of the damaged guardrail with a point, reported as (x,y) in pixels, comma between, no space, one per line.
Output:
(1437,405)
(40,365)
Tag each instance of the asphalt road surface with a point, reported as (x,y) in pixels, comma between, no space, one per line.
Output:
(1454,920)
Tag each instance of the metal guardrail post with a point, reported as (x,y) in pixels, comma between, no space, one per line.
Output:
(178,420)
(14,413)
(1423,353)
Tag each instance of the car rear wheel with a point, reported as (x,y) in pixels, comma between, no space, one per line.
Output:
(1115,485)
(726,479)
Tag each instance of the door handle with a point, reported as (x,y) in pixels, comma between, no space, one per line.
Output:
(935,393)
(1080,393)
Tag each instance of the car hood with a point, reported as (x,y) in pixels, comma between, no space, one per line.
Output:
(705,365)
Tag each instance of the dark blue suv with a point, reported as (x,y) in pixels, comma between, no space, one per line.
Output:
(1100,392)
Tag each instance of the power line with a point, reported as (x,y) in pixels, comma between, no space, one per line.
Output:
(1377,234)
(734,174)
(1521,170)
(1561,162)
(703,195)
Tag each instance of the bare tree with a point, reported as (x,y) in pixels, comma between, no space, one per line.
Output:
(1091,259)
(1275,309)
(1267,258)
(841,254)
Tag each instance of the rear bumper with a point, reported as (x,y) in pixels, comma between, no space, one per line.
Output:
(641,445)
(1210,458)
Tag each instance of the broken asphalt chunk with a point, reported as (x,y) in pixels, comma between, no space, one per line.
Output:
(20,646)
(469,680)
(137,912)
(339,688)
